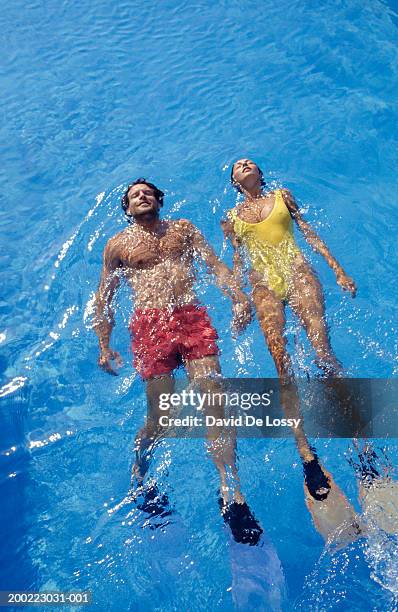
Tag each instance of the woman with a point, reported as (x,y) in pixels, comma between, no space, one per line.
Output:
(280,274)
(263,225)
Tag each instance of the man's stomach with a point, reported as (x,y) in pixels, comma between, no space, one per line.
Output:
(160,292)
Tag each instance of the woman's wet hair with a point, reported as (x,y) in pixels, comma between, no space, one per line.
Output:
(236,185)
(159,195)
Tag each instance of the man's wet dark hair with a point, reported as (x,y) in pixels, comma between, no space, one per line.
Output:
(159,195)
(236,185)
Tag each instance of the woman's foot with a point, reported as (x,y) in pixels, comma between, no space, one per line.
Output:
(367,469)
(317,483)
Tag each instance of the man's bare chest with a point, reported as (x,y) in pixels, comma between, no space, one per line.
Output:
(143,249)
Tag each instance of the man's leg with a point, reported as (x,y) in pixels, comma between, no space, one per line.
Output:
(222,445)
(150,433)
(147,497)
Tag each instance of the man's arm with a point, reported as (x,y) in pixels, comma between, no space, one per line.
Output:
(228,230)
(317,244)
(104,322)
(225,278)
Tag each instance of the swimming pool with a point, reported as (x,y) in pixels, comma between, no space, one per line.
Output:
(93,96)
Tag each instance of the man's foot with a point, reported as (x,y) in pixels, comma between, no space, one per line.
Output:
(244,526)
(143,455)
(317,483)
(148,499)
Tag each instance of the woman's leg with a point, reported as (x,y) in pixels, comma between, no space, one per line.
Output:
(271,316)
(306,299)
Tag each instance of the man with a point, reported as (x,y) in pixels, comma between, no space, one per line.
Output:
(169,327)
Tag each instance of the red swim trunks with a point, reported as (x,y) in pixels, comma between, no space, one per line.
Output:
(162,339)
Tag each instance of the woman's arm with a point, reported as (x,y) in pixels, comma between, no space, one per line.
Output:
(317,244)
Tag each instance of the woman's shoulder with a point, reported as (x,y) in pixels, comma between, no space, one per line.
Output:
(288,200)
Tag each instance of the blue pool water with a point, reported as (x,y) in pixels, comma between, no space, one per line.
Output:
(95,94)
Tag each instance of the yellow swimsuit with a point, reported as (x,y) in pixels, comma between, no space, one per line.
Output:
(271,245)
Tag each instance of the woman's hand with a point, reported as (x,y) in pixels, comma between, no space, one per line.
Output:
(346,283)
(105,358)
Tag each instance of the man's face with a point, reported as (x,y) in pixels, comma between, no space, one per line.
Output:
(246,173)
(142,201)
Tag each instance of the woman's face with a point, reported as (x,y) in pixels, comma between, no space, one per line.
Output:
(246,173)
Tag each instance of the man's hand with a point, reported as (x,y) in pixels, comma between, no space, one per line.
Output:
(242,315)
(105,358)
(346,283)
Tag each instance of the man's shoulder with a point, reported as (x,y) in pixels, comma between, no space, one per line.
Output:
(115,239)
(184,224)
(227,223)
(115,242)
